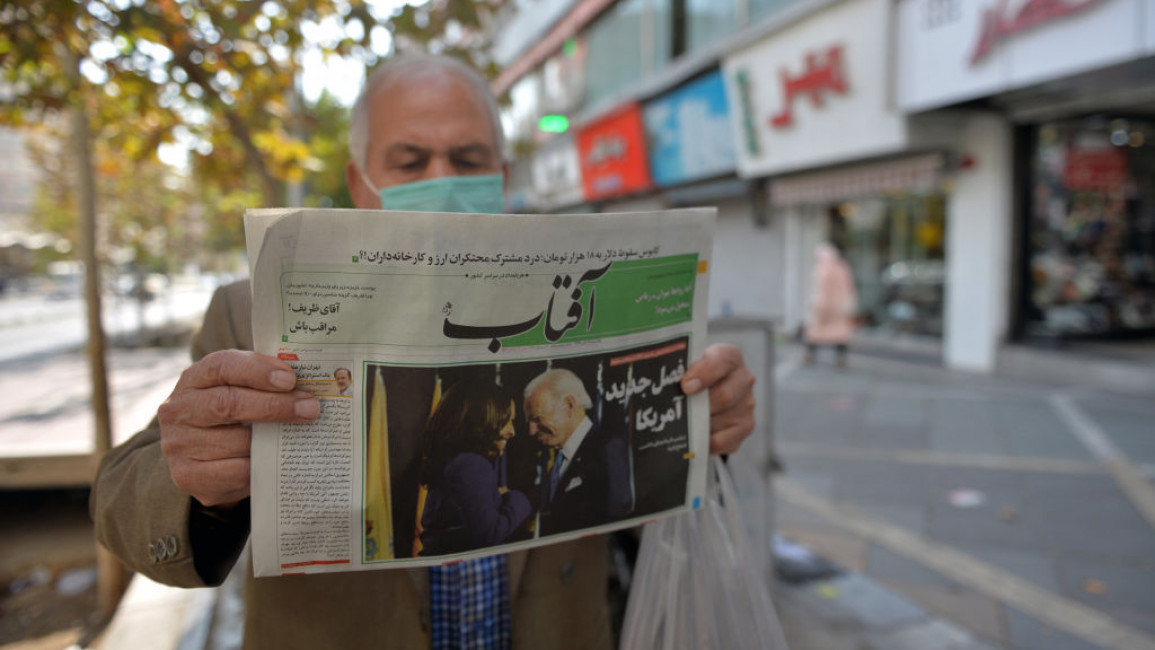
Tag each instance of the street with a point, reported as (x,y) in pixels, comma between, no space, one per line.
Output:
(1020,512)
(33,325)
(44,373)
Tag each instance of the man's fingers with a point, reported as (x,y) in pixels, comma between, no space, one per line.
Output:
(730,427)
(221,405)
(216,443)
(239,368)
(728,440)
(719,362)
(213,482)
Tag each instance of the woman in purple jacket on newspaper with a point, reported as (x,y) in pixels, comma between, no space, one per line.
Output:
(466,507)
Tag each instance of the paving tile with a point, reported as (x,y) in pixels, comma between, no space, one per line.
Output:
(788,516)
(1033,565)
(1140,619)
(1032,428)
(910,517)
(865,601)
(821,484)
(1027,633)
(1103,584)
(875,481)
(1073,487)
(957,426)
(978,614)
(811,463)
(953,525)
(1098,512)
(891,437)
(891,410)
(1071,535)
(928,635)
(806,629)
(1131,430)
(886,566)
(1034,444)
(987,480)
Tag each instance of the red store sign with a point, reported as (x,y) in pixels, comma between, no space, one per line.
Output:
(826,74)
(1102,169)
(613,155)
(998,24)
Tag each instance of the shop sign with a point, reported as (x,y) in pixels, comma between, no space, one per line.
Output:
(613,155)
(818,79)
(815,94)
(999,24)
(688,132)
(1099,169)
(950,51)
(556,174)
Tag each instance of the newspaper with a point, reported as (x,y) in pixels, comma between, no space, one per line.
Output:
(487,382)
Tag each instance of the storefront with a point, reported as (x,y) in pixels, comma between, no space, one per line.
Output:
(1090,231)
(1074,85)
(889,220)
(557,176)
(815,117)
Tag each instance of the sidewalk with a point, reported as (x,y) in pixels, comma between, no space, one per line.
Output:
(967,513)
(973,512)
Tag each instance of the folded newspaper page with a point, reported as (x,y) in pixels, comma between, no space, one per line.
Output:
(487,383)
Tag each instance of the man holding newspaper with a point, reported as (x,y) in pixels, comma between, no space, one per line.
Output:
(172,502)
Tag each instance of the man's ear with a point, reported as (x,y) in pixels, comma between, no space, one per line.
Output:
(363,196)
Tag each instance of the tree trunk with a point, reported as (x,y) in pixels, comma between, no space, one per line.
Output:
(110,572)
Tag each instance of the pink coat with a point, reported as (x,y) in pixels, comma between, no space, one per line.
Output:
(833,301)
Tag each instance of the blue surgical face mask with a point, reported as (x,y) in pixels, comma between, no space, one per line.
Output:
(473,194)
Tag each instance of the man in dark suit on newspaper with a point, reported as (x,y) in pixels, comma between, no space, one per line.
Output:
(587,479)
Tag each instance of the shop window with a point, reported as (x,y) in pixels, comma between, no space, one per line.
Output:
(894,247)
(1091,229)
(708,21)
(761,8)
(519,119)
(614,56)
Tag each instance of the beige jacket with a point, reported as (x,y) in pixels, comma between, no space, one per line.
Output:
(558,592)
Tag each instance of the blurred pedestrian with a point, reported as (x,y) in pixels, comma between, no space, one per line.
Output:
(833,303)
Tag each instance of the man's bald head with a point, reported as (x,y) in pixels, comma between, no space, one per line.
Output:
(416,68)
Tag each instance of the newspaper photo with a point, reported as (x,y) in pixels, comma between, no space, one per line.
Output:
(487,383)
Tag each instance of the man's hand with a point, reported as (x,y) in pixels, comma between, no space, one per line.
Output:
(205,427)
(723,372)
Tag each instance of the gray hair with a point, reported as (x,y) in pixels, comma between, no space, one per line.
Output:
(416,65)
(561,383)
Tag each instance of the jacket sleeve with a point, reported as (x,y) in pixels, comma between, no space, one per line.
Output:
(139,513)
(490,517)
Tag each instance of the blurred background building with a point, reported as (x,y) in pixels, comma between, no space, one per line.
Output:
(987,166)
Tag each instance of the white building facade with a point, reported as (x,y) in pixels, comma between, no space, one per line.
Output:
(986,166)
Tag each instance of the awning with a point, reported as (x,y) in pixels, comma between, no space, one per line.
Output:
(916,174)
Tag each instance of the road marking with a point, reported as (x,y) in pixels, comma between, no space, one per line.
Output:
(943,459)
(1130,478)
(786,368)
(1067,615)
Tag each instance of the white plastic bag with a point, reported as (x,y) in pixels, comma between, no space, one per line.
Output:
(696,584)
